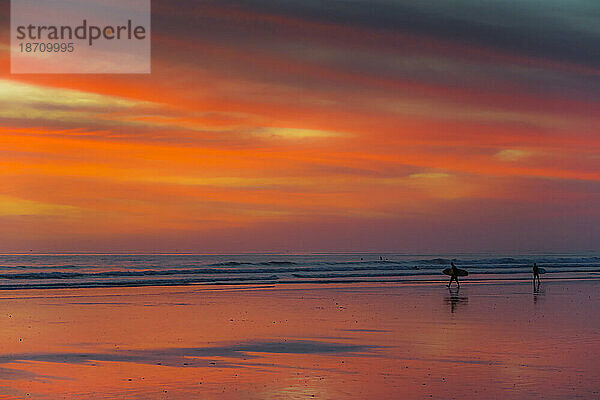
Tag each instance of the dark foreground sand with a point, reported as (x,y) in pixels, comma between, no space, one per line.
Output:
(360,341)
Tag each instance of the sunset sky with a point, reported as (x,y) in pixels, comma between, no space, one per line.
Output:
(359,125)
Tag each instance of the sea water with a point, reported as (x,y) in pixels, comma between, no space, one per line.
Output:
(47,271)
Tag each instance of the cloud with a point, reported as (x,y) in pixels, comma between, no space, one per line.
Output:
(525,27)
(10,206)
(296,133)
(513,154)
(22,93)
(306,112)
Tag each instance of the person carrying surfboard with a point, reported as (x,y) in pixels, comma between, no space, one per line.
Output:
(536,273)
(453,275)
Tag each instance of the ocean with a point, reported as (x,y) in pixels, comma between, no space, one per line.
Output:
(48,271)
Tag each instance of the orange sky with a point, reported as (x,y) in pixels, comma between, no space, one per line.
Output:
(269,128)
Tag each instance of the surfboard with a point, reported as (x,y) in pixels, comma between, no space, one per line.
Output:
(460,272)
(541,271)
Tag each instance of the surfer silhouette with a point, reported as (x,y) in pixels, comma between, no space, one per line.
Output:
(536,273)
(453,275)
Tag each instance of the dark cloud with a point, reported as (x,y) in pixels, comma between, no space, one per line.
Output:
(549,29)
(303,44)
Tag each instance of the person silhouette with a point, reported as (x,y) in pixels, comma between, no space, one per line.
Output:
(536,273)
(453,275)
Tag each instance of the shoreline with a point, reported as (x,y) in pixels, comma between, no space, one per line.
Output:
(316,282)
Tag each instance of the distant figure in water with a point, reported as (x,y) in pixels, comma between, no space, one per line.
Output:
(454,275)
(536,273)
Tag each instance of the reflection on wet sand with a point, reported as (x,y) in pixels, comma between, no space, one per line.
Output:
(538,291)
(367,341)
(455,299)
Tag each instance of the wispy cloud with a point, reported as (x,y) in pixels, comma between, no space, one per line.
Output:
(513,154)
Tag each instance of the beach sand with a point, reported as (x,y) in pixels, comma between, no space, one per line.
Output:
(358,341)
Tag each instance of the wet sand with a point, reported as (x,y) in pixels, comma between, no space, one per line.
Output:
(359,341)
